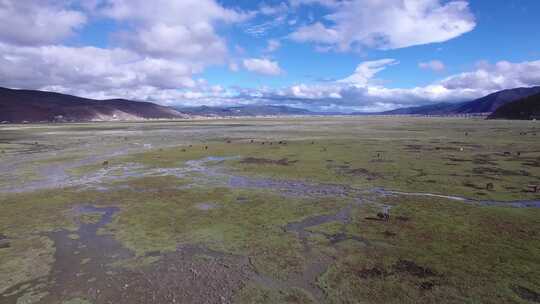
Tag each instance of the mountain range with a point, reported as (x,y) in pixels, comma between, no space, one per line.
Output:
(525,109)
(247,110)
(18,106)
(486,104)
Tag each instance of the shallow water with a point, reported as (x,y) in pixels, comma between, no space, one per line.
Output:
(82,258)
(206,171)
(514,204)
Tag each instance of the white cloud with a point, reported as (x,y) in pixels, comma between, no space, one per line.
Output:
(318,33)
(88,68)
(260,28)
(269,10)
(366,70)
(262,66)
(169,11)
(197,42)
(273,45)
(359,92)
(327,3)
(389,24)
(434,65)
(173,29)
(268,18)
(233,66)
(498,76)
(28,22)
(164,44)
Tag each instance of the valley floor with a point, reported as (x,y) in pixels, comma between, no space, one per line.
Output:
(282,210)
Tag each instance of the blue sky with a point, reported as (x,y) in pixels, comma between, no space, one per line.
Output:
(339,55)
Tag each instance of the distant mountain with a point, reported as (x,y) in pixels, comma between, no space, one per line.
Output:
(525,109)
(432,109)
(486,104)
(492,102)
(249,110)
(18,106)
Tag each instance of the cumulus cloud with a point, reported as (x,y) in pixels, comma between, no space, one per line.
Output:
(498,76)
(262,66)
(169,11)
(434,65)
(173,29)
(28,22)
(197,42)
(359,92)
(88,68)
(163,45)
(390,24)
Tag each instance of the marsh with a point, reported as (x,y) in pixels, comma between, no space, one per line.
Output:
(202,212)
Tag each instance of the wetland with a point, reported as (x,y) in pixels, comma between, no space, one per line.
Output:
(273,210)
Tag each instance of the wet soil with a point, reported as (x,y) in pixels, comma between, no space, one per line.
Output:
(189,275)
(526,294)
(208,171)
(84,268)
(206,206)
(370,273)
(69,272)
(499,171)
(411,268)
(291,187)
(400,267)
(84,264)
(358,172)
(265,161)
(4,241)
(317,264)
(87,266)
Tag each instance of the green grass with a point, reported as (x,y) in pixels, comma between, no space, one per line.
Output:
(477,254)
(148,223)
(471,254)
(27,258)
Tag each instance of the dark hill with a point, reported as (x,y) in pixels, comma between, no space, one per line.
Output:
(486,104)
(18,106)
(526,108)
(492,102)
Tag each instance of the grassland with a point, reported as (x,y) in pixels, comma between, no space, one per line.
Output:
(274,210)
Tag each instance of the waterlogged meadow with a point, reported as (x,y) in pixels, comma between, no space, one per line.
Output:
(291,210)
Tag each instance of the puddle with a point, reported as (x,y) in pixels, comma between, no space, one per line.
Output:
(81,262)
(84,258)
(317,264)
(56,176)
(206,206)
(514,204)
(206,171)
(84,268)
(343,216)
